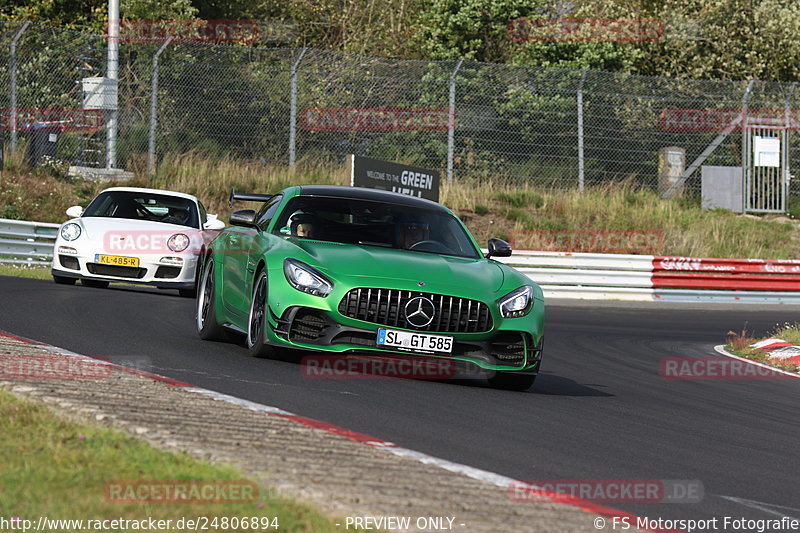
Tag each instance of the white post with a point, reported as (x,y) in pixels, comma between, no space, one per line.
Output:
(581,176)
(12,69)
(451,123)
(151,144)
(112,67)
(293,111)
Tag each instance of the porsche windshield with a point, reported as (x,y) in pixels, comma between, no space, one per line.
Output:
(144,206)
(350,221)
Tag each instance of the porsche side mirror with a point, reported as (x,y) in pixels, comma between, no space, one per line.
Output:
(75,211)
(213,223)
(498,248)
(244,217)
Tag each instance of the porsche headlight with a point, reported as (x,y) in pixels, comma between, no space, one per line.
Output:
(178,242)
(516,303)
(306,278)
(70,232)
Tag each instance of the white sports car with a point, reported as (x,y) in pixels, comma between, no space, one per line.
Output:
(135,235)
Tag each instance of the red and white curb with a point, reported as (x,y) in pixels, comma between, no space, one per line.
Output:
(779,349)
(497,480)
(722,351)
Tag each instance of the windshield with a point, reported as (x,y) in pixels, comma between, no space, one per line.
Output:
(144,206)
(370,223)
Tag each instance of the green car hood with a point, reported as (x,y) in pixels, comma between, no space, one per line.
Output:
(373,266)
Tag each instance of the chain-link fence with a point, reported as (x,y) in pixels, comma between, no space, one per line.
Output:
(546,126)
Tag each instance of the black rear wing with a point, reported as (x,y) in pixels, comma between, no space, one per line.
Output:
(247,197)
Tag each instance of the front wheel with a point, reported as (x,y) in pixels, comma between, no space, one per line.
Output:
(207,326)
(61,280)
(257,323)
(511,381)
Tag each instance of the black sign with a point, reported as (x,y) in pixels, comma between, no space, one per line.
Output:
(386,176)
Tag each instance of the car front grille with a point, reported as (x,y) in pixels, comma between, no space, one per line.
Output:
(167,272)
(307,325)
(69,262)
(387,307)
(116,271)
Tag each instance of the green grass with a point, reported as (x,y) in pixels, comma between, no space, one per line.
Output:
(59,469)
(739,343)
(521,198)
(25,272)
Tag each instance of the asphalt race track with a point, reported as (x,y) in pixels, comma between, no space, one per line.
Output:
(599,410)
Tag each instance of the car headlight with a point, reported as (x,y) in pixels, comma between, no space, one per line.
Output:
(306,278)
(516,303)
(178,242)
(70,232)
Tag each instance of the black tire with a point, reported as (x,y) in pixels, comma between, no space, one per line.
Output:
(511,381)
(94,283)
(257,322)
(61,280)
(188,293)
(206,311)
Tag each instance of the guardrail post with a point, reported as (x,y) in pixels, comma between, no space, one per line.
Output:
(581,177)
(451,123)
(293,110)
(151,141)
(12,71)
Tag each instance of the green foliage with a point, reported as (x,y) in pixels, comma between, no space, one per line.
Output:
(726,39)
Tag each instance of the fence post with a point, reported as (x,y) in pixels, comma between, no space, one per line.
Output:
(112,74)
(581,168)
(741,119)
(786,146)
(151,141)
(451,123)
(293,110)
(12,70)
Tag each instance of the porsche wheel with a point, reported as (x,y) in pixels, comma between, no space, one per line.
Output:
(207,326)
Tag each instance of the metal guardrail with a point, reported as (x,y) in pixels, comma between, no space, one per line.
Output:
(665,279)
(560,274)
(27,243)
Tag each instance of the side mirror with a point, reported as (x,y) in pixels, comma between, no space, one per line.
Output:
(213,223)
(498,248)
(244,217)
(75,211)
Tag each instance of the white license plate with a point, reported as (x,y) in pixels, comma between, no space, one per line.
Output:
(415,342)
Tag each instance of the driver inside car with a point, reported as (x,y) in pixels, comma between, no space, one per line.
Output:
(412,233)
(176,215)
(302,225)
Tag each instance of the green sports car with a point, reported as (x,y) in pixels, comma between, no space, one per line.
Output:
(363,272)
